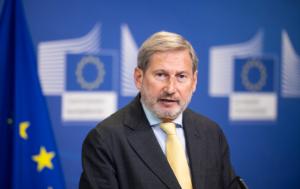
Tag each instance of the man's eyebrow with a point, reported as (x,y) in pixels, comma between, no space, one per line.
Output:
(160,70)
(176,73)
(182,72)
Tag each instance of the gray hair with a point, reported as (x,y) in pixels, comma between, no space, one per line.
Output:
(161,42)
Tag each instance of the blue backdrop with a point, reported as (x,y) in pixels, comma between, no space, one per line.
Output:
(248,79)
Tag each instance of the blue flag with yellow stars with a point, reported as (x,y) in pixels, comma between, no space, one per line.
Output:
(28,154)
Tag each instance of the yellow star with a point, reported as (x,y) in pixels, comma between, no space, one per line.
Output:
(43,159)
(22,129)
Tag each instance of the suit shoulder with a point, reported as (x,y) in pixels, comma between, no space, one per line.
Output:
(108,130)
(113,122)
(201,120)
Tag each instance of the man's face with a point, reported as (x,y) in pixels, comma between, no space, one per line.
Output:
(168,83)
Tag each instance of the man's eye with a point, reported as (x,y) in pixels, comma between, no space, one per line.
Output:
(160,75)
(182,77)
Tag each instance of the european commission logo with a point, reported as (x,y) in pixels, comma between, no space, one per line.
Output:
(247,77)
(82,73)
(253,96)
(86,75)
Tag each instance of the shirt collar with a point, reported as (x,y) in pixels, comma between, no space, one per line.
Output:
(154,120)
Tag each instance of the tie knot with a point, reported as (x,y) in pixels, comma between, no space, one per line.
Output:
(169,128)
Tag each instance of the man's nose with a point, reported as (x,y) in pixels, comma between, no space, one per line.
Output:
(171,86)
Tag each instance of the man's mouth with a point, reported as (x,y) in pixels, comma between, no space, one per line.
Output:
(167,101)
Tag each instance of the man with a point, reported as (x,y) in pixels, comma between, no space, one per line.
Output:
(133,148)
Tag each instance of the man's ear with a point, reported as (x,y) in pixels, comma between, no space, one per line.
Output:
(138,77)
(195,79)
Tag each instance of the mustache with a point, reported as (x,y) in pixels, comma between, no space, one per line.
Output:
(168,96)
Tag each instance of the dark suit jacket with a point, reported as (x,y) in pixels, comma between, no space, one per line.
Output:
(122,152)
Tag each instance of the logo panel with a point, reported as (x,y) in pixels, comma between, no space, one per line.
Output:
(254,97)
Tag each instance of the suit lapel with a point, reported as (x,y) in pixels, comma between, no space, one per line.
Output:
(143,141)
(196,149)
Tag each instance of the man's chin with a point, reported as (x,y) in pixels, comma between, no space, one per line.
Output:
(168,115)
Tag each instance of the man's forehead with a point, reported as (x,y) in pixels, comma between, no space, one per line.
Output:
(162,61)
(170,53)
